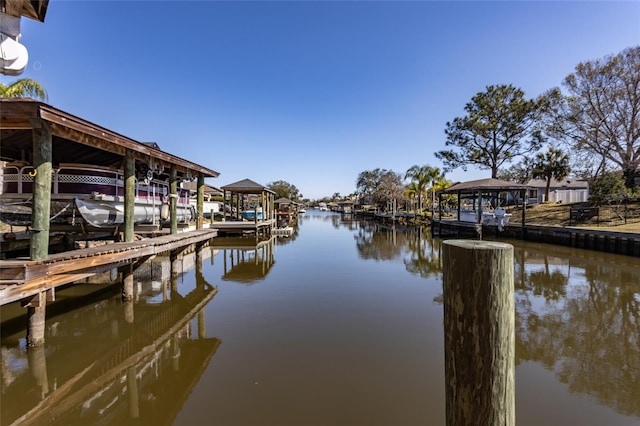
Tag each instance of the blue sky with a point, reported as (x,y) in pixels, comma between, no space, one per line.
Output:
(312,93)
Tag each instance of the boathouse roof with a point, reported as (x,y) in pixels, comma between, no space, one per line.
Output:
(208,189)
(284,200)
(34,9)
(246,186)
(483,185)
(75,140)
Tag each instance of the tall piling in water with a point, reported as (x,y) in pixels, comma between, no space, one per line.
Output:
(479,324)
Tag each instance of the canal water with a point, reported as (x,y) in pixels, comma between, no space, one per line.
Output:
(339,324)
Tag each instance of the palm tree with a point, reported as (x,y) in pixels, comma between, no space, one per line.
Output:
(422,176)
(553,164)
(25,87)
(411,191)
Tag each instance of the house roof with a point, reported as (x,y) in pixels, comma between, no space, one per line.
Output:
(483,185)
(208,189)
(569,183)
(246,186)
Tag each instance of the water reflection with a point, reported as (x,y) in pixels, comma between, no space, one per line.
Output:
(577,312)
(246,260)
(344,330)
(111,362)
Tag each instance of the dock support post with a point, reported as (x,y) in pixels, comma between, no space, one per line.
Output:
(129,193)
(173,199)
(200,201)
(524,214)
(36,308)
(127,282)
(479,324)
(175,263)
(42,157)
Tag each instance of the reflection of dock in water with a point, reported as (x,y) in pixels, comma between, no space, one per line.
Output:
(245,260)
(134,370)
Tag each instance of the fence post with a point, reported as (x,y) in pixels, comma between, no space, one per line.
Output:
(479,330)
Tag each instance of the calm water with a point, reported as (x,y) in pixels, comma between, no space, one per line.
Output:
(339,325)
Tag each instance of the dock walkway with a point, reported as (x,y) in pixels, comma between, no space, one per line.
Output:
(23,278)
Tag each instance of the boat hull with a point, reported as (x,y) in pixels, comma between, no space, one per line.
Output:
(107,214)
(251,215)
(87,194)
(497,217)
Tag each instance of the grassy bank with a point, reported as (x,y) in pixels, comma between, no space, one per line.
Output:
(559,215)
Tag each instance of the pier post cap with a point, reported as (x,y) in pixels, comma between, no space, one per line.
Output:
(478,244)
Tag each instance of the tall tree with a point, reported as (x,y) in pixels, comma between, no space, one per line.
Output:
(553,164)
(603,110)
(379,186)
(284,189)
(367,182)
(500,125)
(389,189)
(411,191)
(24,87)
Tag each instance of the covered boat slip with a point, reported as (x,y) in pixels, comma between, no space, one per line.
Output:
(479,214)
(251,209)
(42,138)
(38,136)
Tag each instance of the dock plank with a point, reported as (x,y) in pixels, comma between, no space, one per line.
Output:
(23,277)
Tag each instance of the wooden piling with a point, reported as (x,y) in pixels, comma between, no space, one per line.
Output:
(127,282)
(200,202)
(479,332)
(173,199)
(129,194)
(40,212)
(36,316)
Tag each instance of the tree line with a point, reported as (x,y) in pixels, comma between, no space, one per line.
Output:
(591,129)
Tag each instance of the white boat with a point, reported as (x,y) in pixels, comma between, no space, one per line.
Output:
(496,217)
(82,194)
(285,231)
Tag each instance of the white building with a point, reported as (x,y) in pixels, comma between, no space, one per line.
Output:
(568,190)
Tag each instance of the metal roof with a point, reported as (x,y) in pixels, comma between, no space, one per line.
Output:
(483,185)
(246,186)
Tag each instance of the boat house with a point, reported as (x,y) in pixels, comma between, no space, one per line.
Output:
(479,204)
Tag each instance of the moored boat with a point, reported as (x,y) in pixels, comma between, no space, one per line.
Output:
(496,217)
(251,214)
(91,195)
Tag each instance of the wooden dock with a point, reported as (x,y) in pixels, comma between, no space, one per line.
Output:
(241,226)
(22,278)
